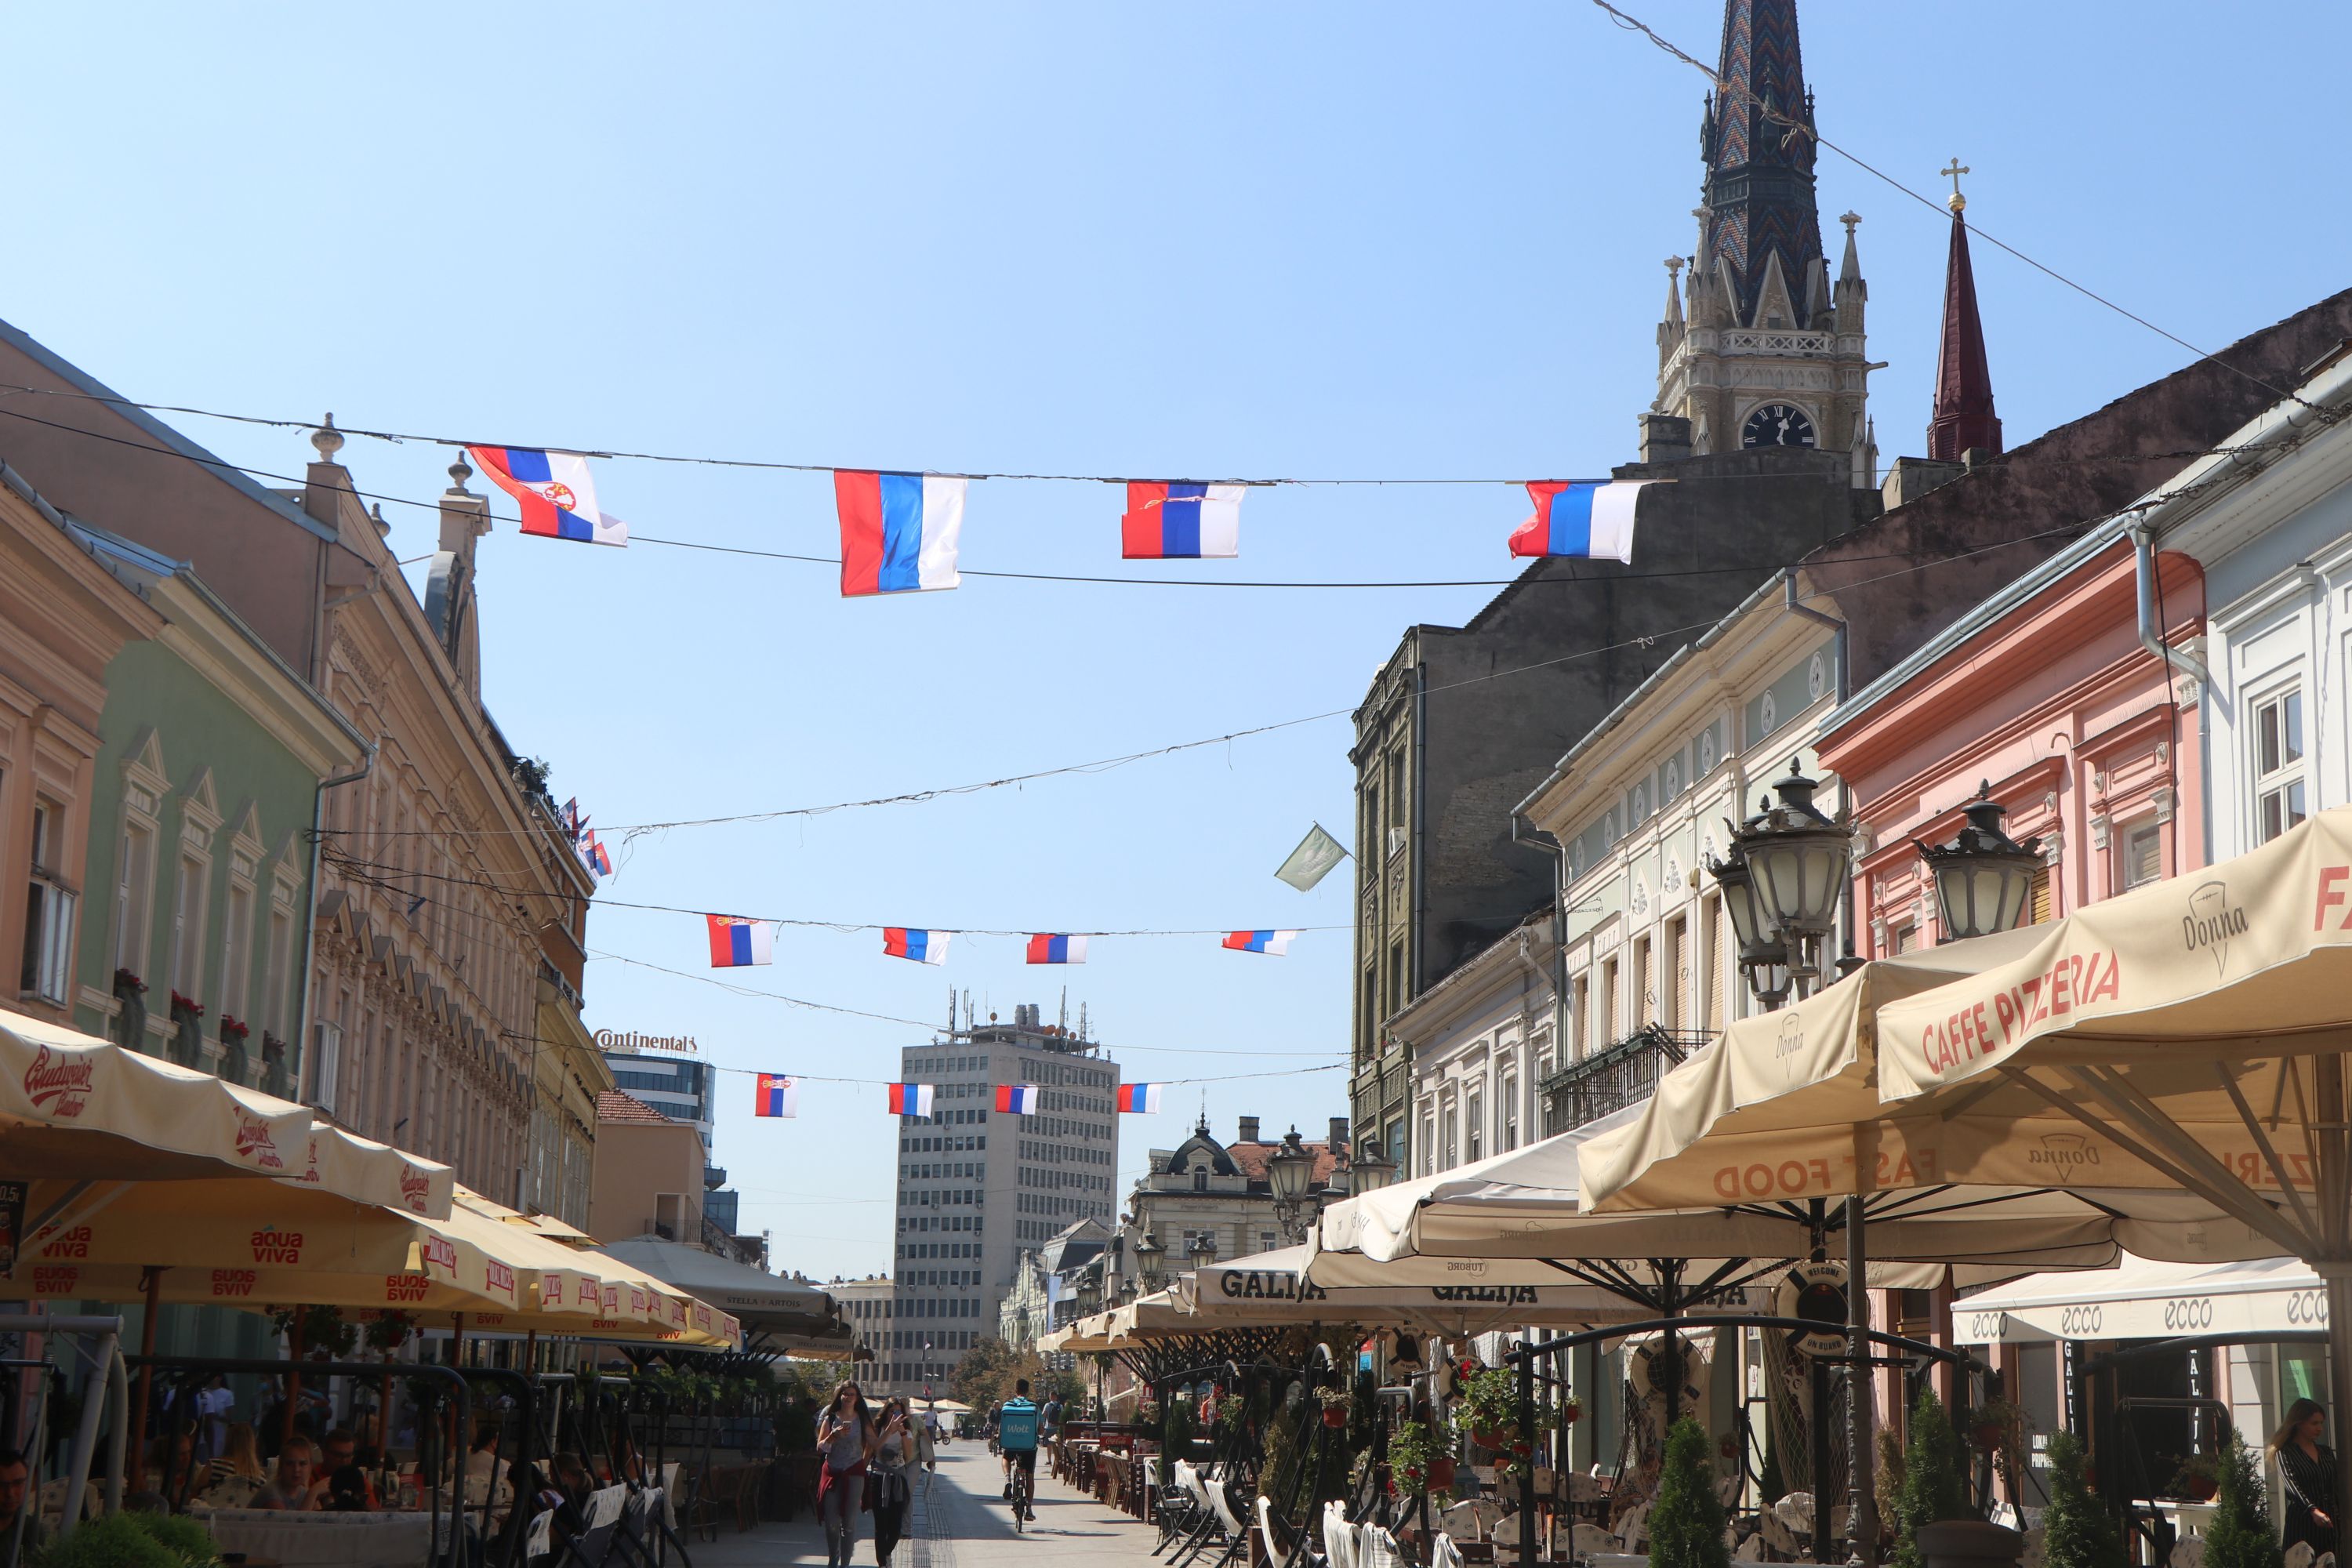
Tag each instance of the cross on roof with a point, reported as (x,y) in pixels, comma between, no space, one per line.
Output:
(1956,169)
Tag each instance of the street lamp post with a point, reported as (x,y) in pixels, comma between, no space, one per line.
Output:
(1369,1171)
(1290,1171)
(1983,877)
(1150,1258)
(1782,885)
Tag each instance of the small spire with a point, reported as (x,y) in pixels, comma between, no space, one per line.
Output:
(1674,290)
(326,440)
(459,474)
(1850,268)
(375,515)
(1956,202)
(1963,420)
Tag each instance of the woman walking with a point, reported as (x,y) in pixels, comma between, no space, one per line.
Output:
(2307,1467)
(902,1452)
(847,1438)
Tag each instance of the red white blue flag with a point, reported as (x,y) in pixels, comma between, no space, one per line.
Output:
(778,1095)
(910,1098)
(1273,943)
(1048,947)
(1138,1098)
(555,491)
(921,946)
(594,856)
(738,944)
(1588,518)
(1017,1099)
(1182,522)
(900,532)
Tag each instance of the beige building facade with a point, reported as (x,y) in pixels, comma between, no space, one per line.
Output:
(648,1179)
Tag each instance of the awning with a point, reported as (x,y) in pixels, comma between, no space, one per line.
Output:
(76,1109)
(766,1305)
(2143,1299)
(1457,1295)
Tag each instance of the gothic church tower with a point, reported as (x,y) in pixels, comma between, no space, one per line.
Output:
(1760,348)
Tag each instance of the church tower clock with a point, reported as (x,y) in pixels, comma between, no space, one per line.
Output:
(1759,347)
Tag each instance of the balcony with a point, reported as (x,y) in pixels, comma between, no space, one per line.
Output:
(1612,1078)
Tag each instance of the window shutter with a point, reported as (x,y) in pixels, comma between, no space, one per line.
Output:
(2039,900)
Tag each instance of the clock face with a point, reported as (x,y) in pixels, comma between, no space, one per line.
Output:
(1778,424)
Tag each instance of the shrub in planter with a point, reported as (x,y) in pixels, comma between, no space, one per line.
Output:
(2198,1477)
(2239,1534)
(1686,1521)
(2077,1529)
(1933,1490)
(1412,1448)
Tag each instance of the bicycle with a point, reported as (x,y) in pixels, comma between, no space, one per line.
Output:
(1023,1513)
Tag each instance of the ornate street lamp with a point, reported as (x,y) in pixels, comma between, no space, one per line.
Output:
(1782,887)
(1983,877)
(1290,1171)
(1370,1170)
(1150,1258)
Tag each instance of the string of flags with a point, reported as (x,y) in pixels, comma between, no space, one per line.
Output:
(592,855)
(737,943)
(780,1096)
(903,532)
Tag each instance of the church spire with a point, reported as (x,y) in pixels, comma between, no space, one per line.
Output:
(1964,419)
(1758,141)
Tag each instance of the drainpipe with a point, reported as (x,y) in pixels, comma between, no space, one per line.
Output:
(1795,607)
(1525,832)
(300,1044)
(2151,635)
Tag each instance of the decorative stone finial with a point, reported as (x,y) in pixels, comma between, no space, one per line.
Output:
(1956,201)
(459,472)
(1673,266)
(1849,218)
(375,514)
(326,440)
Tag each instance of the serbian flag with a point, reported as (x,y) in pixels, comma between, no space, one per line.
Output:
(1590,518)
(898,531)
(1273,943)
(910,1098)
(557,495)
(1017,1099)
(1181,521)
(594,856)
(736,943)
(778,1095)
(1051,948)
(1138,1098)
(922,946)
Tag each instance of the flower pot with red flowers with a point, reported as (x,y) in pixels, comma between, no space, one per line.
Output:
(1489,1404)
(232,1033)
(187,1030)
(1335,1409)
(1413,1451)
(130,1011)
(2199,1478)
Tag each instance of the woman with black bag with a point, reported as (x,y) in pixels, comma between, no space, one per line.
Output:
(904,1452)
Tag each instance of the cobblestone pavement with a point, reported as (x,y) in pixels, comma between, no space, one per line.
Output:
(959,1521)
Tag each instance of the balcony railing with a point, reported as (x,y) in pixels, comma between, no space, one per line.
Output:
(1613,1078)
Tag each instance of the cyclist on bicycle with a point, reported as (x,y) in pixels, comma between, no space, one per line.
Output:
(1017,1436)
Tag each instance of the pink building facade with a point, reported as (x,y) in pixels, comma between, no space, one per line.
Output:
(2046,693)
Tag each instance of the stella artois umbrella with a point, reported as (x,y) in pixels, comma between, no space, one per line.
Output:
(1786,1109)
(2194,1028)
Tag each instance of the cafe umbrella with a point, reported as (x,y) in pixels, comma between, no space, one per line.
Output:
(2194,1030)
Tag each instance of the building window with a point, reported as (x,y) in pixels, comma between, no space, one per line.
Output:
(1453,1137)
(49,910)
(1604,1021)
(236,961)
(1580,1014)
(188,926)
(1429,1146)
(1396,977)
(135,884)
(1645,984)
(1510,1093)
(2278,764)
(1265,1239)
(1396,788)
(1474,1117)
(1713,972)
(2143,857)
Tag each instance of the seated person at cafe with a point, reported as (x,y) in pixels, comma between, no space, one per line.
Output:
(290,1489)
(14,1478)
(338,1451)
(348,1492)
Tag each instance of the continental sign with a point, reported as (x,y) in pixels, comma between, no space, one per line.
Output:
(626,1042)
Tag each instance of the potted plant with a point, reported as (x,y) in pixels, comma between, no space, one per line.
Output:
(1411,1448)
(1489,1404)
(390,1330)
(320,1332)
(2077,1529)
(2239,1534)
(1996,1425)
(2198,1479)
(1335,1408)
(131,1018)
(232,1033)
(188,1030)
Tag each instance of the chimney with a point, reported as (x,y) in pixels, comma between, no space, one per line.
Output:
(1248,1133)
(1665,437)
(1338,1135)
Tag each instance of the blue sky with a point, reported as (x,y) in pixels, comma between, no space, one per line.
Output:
(1224,239)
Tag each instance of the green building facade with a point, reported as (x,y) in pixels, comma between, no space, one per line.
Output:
(199,872)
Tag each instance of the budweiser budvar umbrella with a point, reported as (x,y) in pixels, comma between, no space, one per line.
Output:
(2195,1030)
(76,1109)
